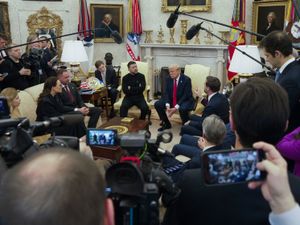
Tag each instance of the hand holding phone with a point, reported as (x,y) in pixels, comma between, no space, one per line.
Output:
(232,166)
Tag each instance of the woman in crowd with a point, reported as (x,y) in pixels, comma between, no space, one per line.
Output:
(13,100)
(289,147)
(49,105)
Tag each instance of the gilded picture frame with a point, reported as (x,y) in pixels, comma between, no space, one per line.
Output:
(106,17)
(4,20)
(261,10)
(187,5)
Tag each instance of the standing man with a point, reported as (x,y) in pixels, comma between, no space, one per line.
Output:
(71,97)
(107,75)
(278,50)
(133,86)
(177,97)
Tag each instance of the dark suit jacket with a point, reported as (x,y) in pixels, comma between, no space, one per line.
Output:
(290,81)
(219,205)
(184,92)
(51,106)
(78,102)
(111,77)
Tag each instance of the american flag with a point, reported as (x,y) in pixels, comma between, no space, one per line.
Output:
(236,37)
(84,24)
(133,30)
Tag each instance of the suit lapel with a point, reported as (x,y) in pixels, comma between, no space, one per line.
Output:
(180,86)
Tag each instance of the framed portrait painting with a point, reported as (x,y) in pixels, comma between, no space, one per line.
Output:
(186,5)
(4,20)
(105,19)
(267,17)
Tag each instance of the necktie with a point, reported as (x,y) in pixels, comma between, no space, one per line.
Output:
(277,75)
(71,97)
(174,93)
(103,78)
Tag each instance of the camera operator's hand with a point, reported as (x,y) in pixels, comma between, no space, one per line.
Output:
(275,188)
(25,72)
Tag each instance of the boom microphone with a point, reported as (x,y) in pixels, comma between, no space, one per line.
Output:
(39,128)
(173,18)
(115,35)
(193,31)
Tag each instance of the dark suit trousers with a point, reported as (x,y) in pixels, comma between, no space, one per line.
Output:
(94,115)
(130,101)
(160,107)
(113,93)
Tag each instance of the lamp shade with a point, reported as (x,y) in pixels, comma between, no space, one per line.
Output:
(241,63)
(73,51)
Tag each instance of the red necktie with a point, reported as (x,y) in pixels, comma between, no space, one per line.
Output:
(71,97)
(174,93)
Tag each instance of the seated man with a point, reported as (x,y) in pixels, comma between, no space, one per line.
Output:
(107,75)
(177,96)
(252,103)
(189,146)
(55,187)
(217,104)
(214,131)
(71,97)
(133,86)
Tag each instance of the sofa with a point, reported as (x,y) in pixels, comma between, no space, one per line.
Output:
(28,105)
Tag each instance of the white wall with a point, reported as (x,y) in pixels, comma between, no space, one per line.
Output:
(152,18)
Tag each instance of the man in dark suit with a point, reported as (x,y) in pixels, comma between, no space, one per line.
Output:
(278,51)
(252,103)
(177,97)
(71,97)
(107,75)
(217,104)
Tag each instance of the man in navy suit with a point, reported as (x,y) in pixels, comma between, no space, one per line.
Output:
(71,97)
(278,50)
(217,104)
(107,75)
(177,97)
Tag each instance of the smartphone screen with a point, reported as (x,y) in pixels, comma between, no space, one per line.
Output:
(101,137)
(232,166)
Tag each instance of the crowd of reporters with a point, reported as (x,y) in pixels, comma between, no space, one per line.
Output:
(36,190)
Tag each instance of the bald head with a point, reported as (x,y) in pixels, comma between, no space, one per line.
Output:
(53,187)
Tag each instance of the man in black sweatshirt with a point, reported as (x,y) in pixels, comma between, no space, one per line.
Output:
(133,86)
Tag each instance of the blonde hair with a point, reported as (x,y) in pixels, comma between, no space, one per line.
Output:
(30,38)
(10,94)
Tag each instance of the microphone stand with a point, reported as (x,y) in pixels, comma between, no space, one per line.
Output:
(244,53)
(54,38)
(222,24)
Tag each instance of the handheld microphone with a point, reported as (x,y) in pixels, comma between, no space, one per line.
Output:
(173,18)
(115,35)
(193,31)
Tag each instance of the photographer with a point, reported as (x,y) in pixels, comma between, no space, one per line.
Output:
(32,60)
(16,73)
(49,56)
(55,187)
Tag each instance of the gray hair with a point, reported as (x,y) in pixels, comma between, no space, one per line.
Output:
(213,129)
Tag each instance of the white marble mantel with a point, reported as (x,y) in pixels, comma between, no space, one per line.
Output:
(159,55)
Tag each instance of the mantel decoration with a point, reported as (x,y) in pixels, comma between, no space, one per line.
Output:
(45,22)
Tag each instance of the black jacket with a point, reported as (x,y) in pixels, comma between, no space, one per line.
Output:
(133,85)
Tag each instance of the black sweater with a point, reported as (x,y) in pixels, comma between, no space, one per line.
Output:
(133,84)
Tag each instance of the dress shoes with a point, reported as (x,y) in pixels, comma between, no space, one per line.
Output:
(164,127)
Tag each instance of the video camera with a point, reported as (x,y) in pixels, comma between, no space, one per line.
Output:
(33,59)
(16,135)
(137,182)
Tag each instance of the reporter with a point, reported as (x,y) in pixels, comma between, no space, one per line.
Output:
(276,189)
(13,101)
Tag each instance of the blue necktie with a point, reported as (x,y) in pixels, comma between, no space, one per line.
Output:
(277,75)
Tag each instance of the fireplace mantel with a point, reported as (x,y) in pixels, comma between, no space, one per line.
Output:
(160,55)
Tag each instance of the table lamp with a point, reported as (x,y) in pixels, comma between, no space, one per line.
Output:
(243,65)
(74,53)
